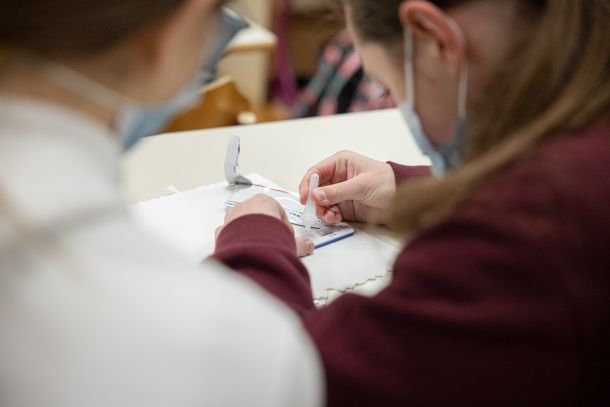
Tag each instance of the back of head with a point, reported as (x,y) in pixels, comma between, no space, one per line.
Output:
(75,27)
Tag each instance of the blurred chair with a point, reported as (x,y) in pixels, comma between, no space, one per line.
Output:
(222,105)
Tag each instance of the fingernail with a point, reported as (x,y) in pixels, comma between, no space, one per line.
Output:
(320,195)
(310,247)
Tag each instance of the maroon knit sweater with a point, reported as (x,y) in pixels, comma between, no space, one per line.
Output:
(504,302)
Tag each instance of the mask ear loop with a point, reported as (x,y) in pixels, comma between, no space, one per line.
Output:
(410,74)
(464,76)
(409,69)
(463,91)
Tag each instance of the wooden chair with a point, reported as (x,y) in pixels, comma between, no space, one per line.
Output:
(222,105)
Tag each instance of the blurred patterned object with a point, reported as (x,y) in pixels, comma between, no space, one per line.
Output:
(340,84)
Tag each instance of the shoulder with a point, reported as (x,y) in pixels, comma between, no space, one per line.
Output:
(235,333)
(247,347)
(549,208)
(577,162)
(563,185)
(224,310)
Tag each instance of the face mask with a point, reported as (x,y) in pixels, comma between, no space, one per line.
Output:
(134,121)
(139,122)
(231,24)
(448,156)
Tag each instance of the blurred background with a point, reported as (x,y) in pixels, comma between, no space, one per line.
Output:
(294,60)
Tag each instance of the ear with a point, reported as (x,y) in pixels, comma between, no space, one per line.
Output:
(430,22)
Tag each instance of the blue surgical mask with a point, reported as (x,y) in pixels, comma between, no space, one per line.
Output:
(133,120)
(449,155)
(137,122)
(231,24)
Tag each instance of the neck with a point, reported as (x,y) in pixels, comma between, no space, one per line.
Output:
(27,80)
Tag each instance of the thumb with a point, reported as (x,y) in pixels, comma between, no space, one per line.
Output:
(305,247)
(351,190)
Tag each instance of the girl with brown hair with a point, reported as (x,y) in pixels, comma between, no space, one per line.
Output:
(502,293)
(93,312)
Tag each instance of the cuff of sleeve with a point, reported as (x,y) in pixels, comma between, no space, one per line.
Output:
(405,173)
(256,230)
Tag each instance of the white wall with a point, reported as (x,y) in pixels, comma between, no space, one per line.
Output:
(251,70)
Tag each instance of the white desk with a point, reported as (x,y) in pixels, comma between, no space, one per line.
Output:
(280,151)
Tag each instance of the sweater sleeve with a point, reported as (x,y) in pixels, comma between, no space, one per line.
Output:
(404,173)
(264,249)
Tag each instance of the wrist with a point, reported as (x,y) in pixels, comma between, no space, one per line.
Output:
(256,228)
(406,173)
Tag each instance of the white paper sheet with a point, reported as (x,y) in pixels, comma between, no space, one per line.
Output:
(321,235)
(187,221)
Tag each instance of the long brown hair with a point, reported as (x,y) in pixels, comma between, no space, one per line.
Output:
(75,27)
(556,81)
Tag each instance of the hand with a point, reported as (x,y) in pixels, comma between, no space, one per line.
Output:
(265,205)
(352,188)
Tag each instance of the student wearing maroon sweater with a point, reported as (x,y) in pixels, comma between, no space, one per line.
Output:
(502,293)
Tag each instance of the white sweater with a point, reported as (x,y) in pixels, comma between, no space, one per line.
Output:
(93,312)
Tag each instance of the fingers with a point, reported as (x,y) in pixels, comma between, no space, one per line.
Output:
(350,190)
(331,216)
(262,204)
(258,205)
(327,170)
(305,247)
